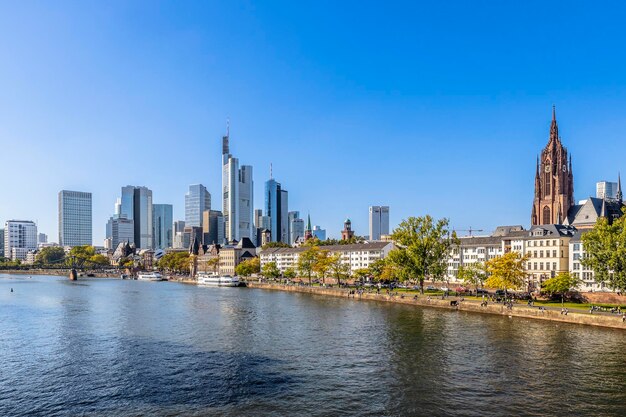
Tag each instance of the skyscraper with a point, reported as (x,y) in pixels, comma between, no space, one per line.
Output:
(20,236)
(319,233)
(197,200)
(163,229)
(237,195)
(213,227)
(120,229)
(276,208)
(296,226)
(606,189)
(136,205)
(75,227)
(179,230)
(378,221)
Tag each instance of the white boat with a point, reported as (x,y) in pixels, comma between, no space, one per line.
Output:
(149,276)
(218,281)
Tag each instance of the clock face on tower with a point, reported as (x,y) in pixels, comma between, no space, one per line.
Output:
(564,168)
(547,167)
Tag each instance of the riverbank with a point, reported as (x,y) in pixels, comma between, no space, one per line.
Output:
(454,303)
(57,272)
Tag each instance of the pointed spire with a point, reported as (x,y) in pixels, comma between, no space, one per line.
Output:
(554,128)
(619,188)
(308,223)
(553,113)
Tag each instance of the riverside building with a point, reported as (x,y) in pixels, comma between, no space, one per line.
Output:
(20,236)
(75,218)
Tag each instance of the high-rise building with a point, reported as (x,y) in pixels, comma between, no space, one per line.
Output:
(237,195)
(258,213)
(75,226)
(179,230)
(606,190)
(213,227)
(42,238)
(1,243)
(163,228)
(136,205)
(197,200)
(120,229)
(296,230)
(319,233)
(20,236)
(554,181)
(379,221)
(277,209)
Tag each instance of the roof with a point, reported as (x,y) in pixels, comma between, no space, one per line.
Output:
(331,248)
(551,230)
(592,209)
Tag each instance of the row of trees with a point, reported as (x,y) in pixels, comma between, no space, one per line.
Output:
(55,257)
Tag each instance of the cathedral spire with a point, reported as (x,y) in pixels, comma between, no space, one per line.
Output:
(554,128)
(619,188)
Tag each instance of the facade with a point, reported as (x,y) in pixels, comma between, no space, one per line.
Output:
(20,236)
(378,221)
(1,243)
(163,226)
(318,232)
(579,271)
(606,189)
(120,230)
(75,218)
(212,227)
(179,229)
(554,181)
(296,227)
(42,238)
(347,233)
(356,256)
(276,209)
(237,195)
(136,205)
(197,200)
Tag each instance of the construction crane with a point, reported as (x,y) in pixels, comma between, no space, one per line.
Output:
(469,231)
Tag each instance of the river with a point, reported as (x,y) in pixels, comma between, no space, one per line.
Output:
(113,347)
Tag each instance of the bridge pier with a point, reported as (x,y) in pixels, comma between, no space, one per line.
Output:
(73,275)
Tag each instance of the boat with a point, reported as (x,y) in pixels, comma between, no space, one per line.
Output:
(218,281)
(149,276)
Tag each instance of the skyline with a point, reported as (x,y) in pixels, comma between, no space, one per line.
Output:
(311,98)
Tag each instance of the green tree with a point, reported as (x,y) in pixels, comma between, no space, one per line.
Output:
(175,262)
(338,268)
(270,245)
(560,284)
(270,270)
(376,269)
(422,248)
(473,274)
(248,267)
(322,264)
(306,261)
(361,273)
(605,252)
(98,260)
(290,273)
(506,271)
(51,255)
(80,255)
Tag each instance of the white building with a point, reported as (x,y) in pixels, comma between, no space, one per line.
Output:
(356,256)
(20,235)
(237,195)
(75,227)
(606,189)
(378,221)
(578,270)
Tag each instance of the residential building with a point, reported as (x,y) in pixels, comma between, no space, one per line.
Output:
(20,236)
(120,230)
(237,195)
(356,256)
(136,205)
(197,200)
(212,227)
(554,181)
(163,226)
(606,189)
(378,221)
(75,227)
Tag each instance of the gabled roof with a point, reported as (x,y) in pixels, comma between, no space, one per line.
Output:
(587,214)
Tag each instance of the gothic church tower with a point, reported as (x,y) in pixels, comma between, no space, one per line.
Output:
(554,181)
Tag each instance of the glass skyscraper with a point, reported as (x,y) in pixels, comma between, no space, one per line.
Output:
(197,200)
(237,196)
(163,230)
(75,226)
(136,205)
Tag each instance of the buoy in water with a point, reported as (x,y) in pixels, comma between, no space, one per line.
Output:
(11,289)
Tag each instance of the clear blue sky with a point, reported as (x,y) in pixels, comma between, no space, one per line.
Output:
(429,108)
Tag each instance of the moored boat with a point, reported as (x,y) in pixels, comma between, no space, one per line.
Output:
(149,276)
(218,281)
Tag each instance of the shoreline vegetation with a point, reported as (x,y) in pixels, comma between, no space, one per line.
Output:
(458,303)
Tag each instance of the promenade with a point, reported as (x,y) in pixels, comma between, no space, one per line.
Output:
(455,303)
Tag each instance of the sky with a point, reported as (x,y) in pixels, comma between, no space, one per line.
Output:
(433,108)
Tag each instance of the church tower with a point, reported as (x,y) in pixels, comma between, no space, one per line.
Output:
(554,181)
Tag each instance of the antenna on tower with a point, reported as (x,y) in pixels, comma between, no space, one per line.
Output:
(228,126)
(271,171)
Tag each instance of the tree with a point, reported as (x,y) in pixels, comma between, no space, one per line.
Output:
(270,270)
(560,284)
(376,268)
(98,260)
(52,255)
(506,271)
(174,262)
(314,241)
(337,267)
(307,260)
(422,248)
(270,245)
(212,264)
(322,264)
(473,274)
(361,273)
(290,273)
(605,252)
(248,267)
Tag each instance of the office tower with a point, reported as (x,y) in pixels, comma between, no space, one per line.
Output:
(319,233)
(20,236)
(163,228)
(237,195)
(378,221)
(213,227)
(179,229)
(74,218)
(42,238)
(258,213)
(191,234)
(136,205)
(1,243)
(606,189)
(296,230)
(197,200)
(276,208)
(120,229)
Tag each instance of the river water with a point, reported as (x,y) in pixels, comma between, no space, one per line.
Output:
(112,347)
